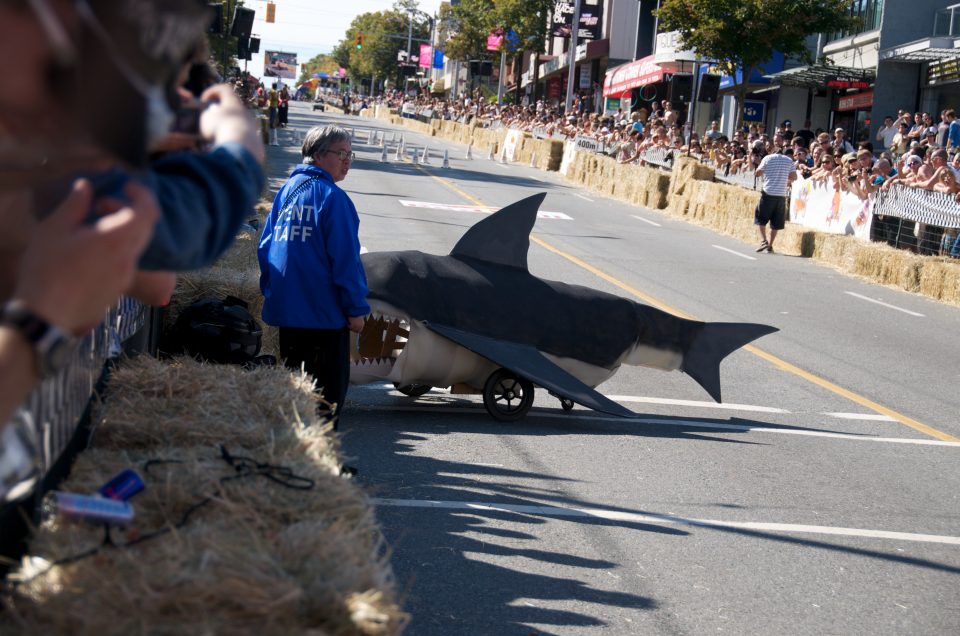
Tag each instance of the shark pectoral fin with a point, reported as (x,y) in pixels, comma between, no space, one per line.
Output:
(529,363)
(715,342)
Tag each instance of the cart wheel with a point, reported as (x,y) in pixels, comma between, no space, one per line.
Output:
(566,404)
(506,396)
(413,390)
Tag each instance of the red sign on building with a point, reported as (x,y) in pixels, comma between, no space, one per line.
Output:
(853,102)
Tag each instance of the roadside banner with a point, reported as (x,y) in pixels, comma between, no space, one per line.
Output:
(569,154)
(820,206)
(512,143)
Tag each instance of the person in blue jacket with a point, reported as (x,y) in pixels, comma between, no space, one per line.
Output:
(312,280)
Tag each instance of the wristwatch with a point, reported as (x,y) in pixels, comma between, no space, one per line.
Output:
(52,347)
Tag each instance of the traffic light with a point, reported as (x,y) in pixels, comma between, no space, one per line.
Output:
(359,40)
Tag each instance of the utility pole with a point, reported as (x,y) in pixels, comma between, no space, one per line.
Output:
(571,65)
(503,65)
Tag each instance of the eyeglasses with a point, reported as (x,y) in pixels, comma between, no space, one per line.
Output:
(344,155)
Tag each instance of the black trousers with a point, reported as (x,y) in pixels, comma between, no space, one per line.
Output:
(325,354)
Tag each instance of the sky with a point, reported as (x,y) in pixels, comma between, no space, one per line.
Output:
(310,27)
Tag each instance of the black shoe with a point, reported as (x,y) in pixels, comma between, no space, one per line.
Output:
(769,249)
(764,247)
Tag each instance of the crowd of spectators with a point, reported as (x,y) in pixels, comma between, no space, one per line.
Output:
(909,150)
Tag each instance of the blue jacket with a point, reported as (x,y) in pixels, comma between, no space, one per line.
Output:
(204,197)
(310,270)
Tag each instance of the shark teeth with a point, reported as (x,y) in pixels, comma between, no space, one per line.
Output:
(382,340)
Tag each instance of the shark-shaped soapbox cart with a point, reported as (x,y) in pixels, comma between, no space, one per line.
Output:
(477,320)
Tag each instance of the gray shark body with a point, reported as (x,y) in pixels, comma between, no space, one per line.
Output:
(446,320)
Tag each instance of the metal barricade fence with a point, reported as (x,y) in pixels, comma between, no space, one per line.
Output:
(916,219)
(55,407)
(658,156)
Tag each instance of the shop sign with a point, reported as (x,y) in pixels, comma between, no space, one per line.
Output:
(943,72)
(553,88)
(668,49)
(754,110)
(853,102)
(843,84)
(585,76)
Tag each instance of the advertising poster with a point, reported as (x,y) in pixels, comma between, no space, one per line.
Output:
(591,19)
(280,64)
(819,206)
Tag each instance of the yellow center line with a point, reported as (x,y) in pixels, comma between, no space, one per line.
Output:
(769,357)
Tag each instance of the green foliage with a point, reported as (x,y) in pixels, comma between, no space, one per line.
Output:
(322,63)
(743,34)
(527,18)
(384,35)
(466,27)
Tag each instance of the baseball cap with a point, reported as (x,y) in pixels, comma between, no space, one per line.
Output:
(932,130)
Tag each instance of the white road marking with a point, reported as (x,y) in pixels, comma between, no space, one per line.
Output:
(867,417)
(640,218)
(636,517)
(741,428)
(479,209)
(484,464)
(697,403)
(583,197)
(887,305)
(729,406)
(735,253)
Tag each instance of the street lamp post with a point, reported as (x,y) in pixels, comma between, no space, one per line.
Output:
(571,65)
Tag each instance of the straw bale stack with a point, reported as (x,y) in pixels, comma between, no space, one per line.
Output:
(940,279)
(889,266)
(186,403)
(257,557)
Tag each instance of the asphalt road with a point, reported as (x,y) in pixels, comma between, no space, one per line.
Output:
(822,498)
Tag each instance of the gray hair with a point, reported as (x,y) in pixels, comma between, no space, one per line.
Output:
(319,139)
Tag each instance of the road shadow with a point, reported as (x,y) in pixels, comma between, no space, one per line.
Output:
(464,572)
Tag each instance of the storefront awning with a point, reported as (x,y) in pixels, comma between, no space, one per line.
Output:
(817,75)
(627,77)
(926,50)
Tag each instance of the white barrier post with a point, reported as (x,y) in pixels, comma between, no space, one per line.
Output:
(469,151)
(490,153)
(426,156)
(416,159)
(399,156)
(446,159)
(533,160)
(383,155)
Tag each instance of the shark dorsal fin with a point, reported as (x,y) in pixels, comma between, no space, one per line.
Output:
(504,236)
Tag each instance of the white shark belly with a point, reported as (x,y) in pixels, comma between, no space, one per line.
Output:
(429,358)
(589,374)
(647,356)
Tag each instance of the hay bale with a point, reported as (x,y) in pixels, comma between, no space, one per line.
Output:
(888,266)
(151,404)
(940,279)
(256,557)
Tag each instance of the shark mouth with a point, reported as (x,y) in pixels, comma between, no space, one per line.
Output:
(378,348)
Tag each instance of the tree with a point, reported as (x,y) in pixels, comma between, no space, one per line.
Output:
(465,29)
(322,63)
(384,36)
(528,19)
(743,34)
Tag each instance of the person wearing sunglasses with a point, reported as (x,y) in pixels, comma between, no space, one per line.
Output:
(311,277)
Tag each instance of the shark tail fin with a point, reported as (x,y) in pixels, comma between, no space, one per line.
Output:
(715,342)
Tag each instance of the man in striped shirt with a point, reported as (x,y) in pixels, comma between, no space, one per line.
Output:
(778,173)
